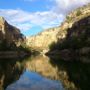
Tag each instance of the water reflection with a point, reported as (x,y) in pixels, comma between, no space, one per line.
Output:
(49,68)
(77,73)
(72,75)
(10,70)
(33,81)
(13,78)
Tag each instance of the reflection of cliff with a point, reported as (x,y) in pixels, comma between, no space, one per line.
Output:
(43,66)
(73,75)
(10,70)
(78,73)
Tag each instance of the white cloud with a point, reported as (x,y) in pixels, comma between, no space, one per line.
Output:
(65,6)
(26,20)
(24,26)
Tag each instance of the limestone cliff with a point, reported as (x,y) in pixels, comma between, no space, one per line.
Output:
(43,39)
(10,34)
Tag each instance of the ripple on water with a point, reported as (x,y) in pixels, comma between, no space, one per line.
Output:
(33,81)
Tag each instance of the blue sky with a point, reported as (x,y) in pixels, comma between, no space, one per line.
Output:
(33,16)
(28,5)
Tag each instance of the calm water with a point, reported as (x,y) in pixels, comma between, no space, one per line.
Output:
(43,73)
(34,73)
(33,81)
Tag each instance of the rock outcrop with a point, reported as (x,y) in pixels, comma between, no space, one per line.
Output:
(43,39)
(10,34)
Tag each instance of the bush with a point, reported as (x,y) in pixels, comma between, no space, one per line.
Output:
(78,13)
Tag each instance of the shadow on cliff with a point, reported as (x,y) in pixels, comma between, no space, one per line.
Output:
(78,36)
(74,73)
(71,54)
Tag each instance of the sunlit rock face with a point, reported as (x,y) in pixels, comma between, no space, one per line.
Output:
(43,39)
(10,33)
(74,19)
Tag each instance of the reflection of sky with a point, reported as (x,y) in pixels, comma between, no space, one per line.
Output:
(33,81)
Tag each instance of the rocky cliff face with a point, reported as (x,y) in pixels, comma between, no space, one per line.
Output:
(9,33)
(44,39)
(76,43)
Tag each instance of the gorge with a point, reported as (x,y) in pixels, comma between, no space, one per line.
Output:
(63,62)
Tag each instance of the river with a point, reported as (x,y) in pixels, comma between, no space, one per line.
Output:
(43,73)
(32,73)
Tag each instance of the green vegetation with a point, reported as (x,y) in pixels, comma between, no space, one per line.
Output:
(78,12)
(24,47)
(69,19)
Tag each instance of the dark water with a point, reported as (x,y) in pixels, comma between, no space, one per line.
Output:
(34,73)
(44,73)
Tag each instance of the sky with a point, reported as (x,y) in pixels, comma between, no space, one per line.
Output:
(34,16)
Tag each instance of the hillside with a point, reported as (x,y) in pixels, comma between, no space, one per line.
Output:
(10,36)
(43,39)
(76,43)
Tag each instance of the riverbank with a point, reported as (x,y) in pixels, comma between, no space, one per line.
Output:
(13,54)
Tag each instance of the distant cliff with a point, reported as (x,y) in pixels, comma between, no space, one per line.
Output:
(43,39)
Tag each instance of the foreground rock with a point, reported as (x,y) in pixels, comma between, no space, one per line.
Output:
(12,54)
